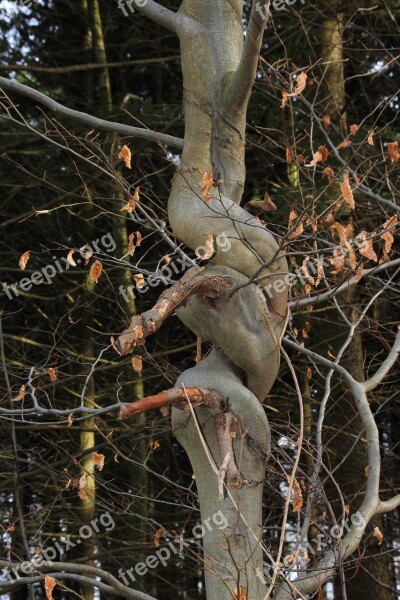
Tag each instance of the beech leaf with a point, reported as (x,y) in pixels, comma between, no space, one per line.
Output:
(23,261)
(125,155)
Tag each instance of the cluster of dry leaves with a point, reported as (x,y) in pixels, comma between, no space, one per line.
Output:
(351,250)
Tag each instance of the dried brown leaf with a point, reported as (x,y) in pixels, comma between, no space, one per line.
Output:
(328,172)
(320,272)
(354,129)
(393,151)
(95,270)
(81,492)
(365,246)
(344,144)
(323,150)
(371,137)
(316,159)
(387,236)
(289,155)
(239,595)
(137,364)
(21,394)
(98,460)
(23,261)
(379,535)
(347,192)
(52,373)
(209,247)
(158,535)
(139,280)
(131,244)
(337,261)
(301,83)
(297,495)
(326,121)
(305,271)
(269,205)
(206,185)
(345,233)
(359,274)
(125,155)
(70,260)
(49,585)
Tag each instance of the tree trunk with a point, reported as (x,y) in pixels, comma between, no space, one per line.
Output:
(216,90)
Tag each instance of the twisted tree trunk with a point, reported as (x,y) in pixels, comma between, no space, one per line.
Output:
(218,71)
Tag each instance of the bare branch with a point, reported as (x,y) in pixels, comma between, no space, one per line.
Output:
(87,66)
(138,132)
(388,505)
(157,13)
(242,80)
(385,367)
(178,397)
(75,569)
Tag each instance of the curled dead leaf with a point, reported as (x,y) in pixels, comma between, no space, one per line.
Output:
(305,271)
(365,246)
(344,144)
(139,280)
(206,252)
(320,272)
(323,150)
(270,206)
(359,274)
(347,192)
(95,270)
(158,535)
(52,373)
(326,121)
(125,155)
(21,394)
(371,137)
(316,159)
(49,585)
(206,185)
(387,235)
(131,244)
(297,495)
(23,261)
(70,260)
(98,460)
(82,484)
(337,260)
(328,172)
(354,129)
(137,364)
(393,151)
(301,83)
(293,217)
(379,535)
